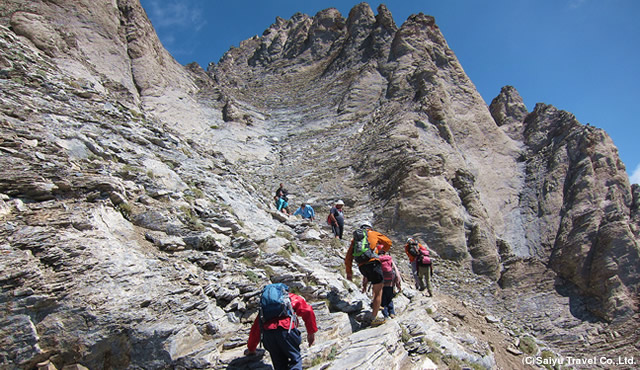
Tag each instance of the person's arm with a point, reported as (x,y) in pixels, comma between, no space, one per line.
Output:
(348,262)
(298,211)
(305,311)
(254,337)
(333,217)
(313,213)
(397,276)
(376,238)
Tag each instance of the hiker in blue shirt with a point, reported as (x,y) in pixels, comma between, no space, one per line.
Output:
(306,211)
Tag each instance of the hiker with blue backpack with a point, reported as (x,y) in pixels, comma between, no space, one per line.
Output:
(364,250)
(421,265)
(276,324)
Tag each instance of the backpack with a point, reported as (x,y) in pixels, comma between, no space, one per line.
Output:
(387,267)
(423,259)
(275,303)
(362,252)
(414,249)
(329,221)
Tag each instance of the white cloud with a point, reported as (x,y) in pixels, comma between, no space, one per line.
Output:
(180,13)
(635,176)
(575,4)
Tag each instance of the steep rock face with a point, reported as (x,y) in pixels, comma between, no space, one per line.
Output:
(576,169)
(111,48)
(409,92)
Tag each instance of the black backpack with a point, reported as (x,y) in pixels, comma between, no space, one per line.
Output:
(362,252)
(414,249)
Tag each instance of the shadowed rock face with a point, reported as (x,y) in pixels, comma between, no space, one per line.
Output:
(135,193)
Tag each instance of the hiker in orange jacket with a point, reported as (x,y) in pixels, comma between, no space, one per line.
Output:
(284,344)
(371,269)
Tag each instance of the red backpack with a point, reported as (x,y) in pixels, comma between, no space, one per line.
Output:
(423,258)
(387,267)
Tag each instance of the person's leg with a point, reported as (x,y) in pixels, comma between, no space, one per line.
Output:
(376,300)
(341,227)
(421,278)
(414,272)
(427,278)
(387,295)
(389,306)
(373,272)
(336,230)
(291,346)
(272,339)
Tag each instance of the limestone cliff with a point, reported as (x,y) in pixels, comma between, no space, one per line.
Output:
(135,196)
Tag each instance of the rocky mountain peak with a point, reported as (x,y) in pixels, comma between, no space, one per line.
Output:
(360,16)
(509,112)
(385,18)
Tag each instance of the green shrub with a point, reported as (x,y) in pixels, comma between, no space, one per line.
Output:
(252,276)
(528,345)
(405,336)
(125,210)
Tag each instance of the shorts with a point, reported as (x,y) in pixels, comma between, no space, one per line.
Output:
(372,271)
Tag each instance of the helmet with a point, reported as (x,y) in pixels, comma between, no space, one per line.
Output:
(411,241)
(340,203)
(365,225)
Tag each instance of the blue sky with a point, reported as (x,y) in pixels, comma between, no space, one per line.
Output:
(582,56)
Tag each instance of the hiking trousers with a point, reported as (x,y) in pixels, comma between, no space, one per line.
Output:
(424,278)
(338,229)
(284,348)
(387,301)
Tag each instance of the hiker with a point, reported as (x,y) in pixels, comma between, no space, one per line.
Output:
(281,192)
(336,219)
(282,199)
(282,205)
(364,248)
(392,278)
(421,265)
(306,211)
(280,335)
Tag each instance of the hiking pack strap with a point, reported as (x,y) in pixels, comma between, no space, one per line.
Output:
(364,240)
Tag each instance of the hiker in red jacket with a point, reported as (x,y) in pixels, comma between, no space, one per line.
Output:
(284,344)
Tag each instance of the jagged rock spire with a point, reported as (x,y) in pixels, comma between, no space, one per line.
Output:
(509,111)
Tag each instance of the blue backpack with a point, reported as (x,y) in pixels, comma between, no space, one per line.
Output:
(275,303)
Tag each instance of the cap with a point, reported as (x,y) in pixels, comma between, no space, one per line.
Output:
(365,224)
(340,203)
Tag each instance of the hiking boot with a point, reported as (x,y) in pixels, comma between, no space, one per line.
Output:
(377,322)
